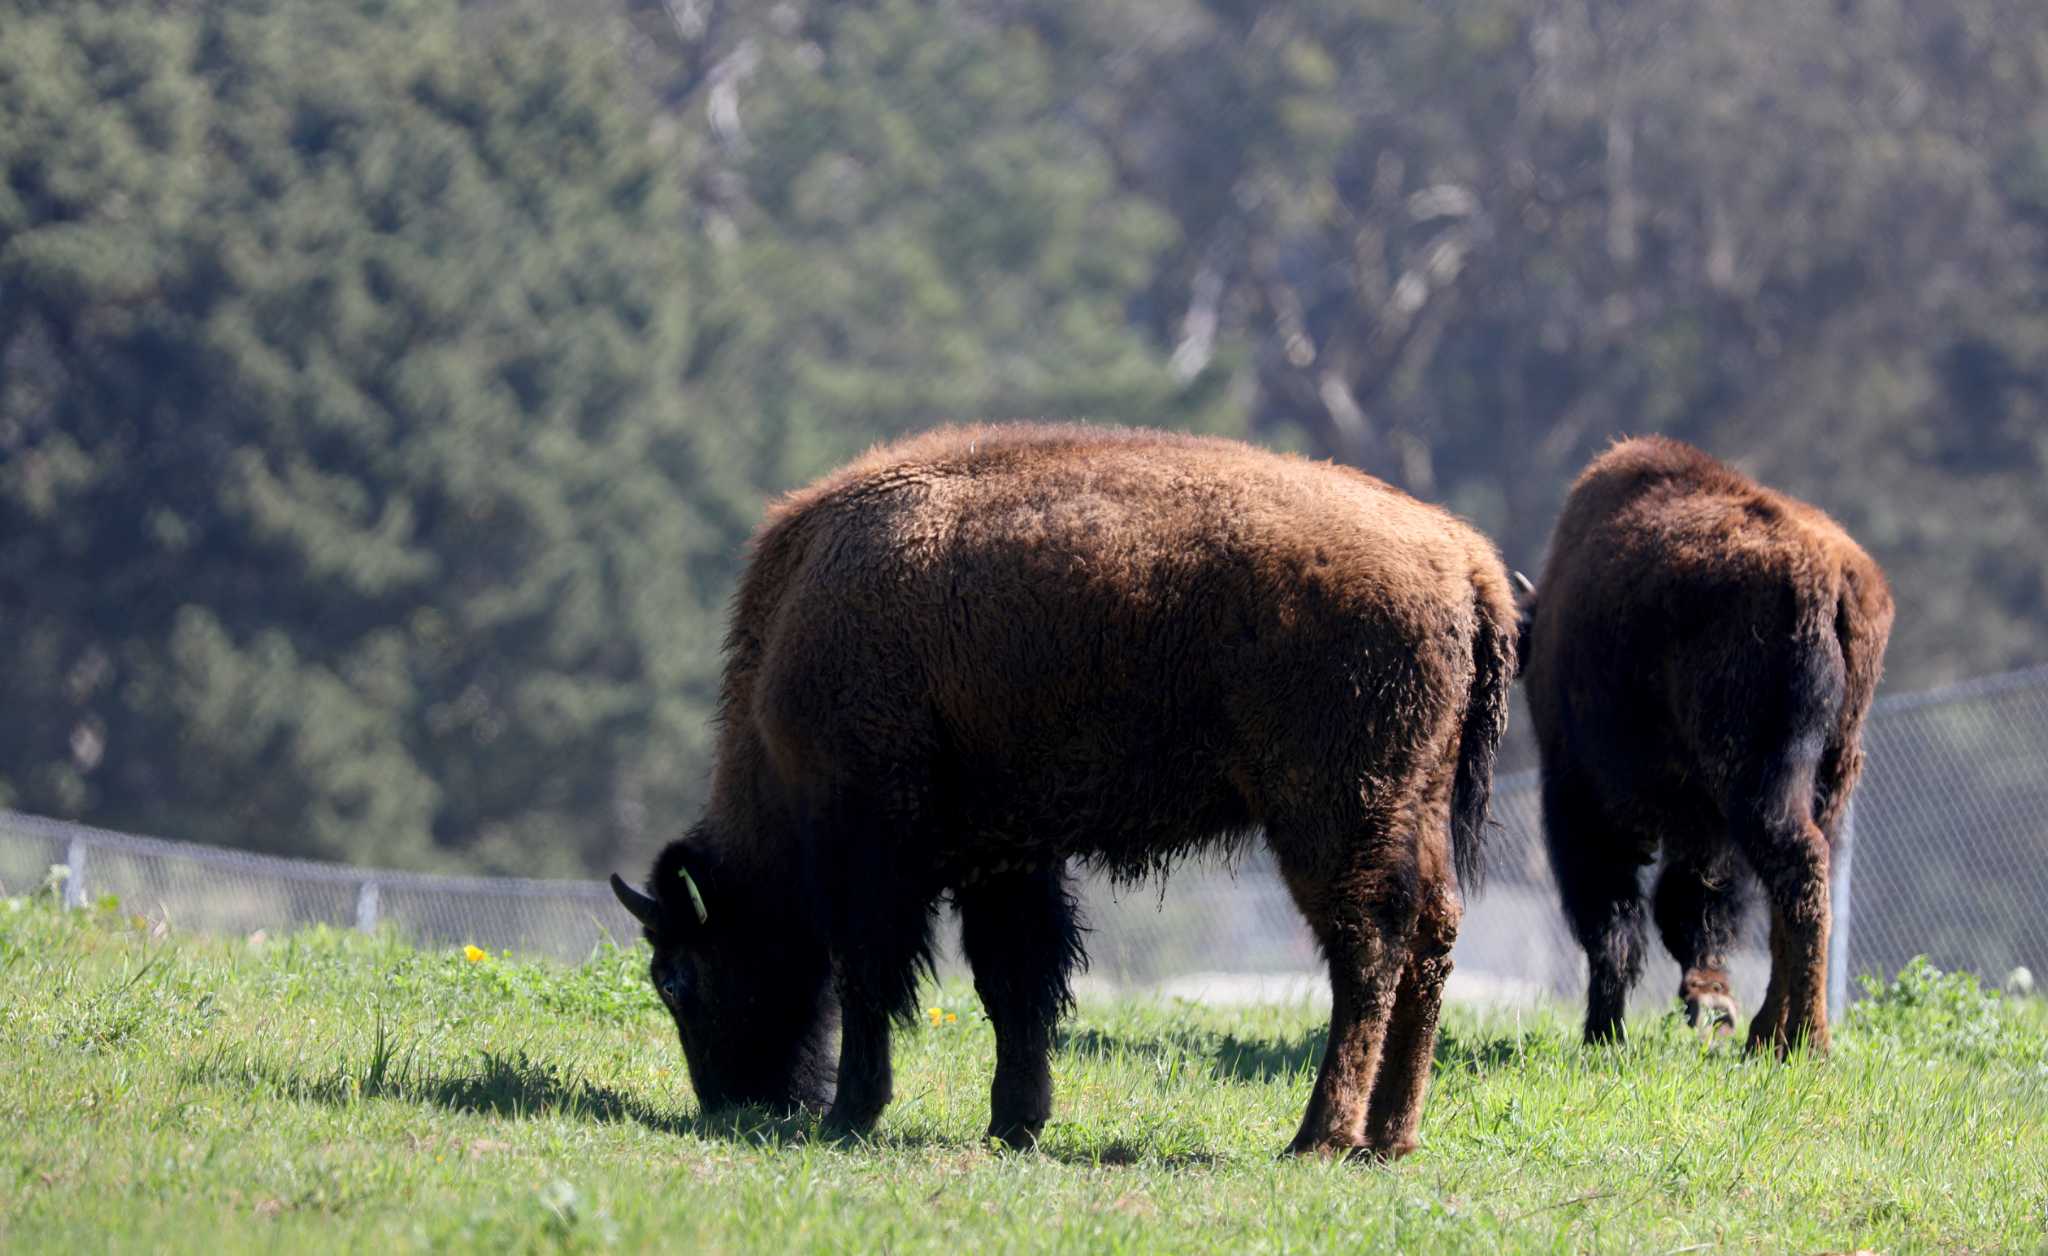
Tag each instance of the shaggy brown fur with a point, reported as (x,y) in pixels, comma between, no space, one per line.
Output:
(969,657)
(1699,657)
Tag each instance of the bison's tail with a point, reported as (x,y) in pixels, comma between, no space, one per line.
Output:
(1861,625)
(1494,665)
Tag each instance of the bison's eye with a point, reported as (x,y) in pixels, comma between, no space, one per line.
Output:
(671,987)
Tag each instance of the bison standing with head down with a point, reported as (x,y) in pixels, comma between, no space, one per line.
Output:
(969,657)
(1698,659)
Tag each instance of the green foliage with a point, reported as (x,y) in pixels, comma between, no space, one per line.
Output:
(1927,1011)
(611,986)
(918,234)
(331,1091)
(1465,244)
(369,398)
(379,424)
(387,388)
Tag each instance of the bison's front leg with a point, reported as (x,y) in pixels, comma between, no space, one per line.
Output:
(865,1079)
(1022,939)
(880,932)
(1596,863)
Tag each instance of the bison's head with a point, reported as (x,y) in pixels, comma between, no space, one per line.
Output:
(748,985)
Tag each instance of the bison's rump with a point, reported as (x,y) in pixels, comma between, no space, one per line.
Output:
(1692,623)
(1115,637)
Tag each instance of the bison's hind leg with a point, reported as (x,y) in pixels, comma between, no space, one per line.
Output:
(1395,1116)
(1787,764)
(1791,857)
(1022,938)
(1698,907)
(1598,870)
(1359,894)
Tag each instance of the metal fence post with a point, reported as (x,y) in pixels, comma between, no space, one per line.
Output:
(366,908)
(1839,900)
(74,885)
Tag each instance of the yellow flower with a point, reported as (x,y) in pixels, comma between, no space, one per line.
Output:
(951,1017)
(475,954)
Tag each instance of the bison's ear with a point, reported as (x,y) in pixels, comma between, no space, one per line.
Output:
(644,909)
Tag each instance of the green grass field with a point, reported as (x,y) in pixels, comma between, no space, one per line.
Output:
(331,1091)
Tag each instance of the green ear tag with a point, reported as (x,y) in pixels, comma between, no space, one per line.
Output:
(696,899)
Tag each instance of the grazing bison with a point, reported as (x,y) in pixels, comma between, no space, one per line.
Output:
(1698,658)
(969,657)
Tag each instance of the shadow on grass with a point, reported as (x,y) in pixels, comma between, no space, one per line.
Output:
(515,1086)
(1481,1054)
(518,1086)
(1259,1061)
(1123,1154)
(1224,1057)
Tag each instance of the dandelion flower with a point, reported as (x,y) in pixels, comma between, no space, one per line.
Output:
(475,954)
(951,1017)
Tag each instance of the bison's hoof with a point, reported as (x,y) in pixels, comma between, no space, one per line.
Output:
(1608,1035)
(1335,1149)
(1713,1015)
(1016,1135)
(847,1127)
(1387,1154)
(1784,1043)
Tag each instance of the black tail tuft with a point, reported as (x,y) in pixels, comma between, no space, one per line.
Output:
(1495,664)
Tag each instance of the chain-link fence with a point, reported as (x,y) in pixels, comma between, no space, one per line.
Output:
(1948,858)
(206,889)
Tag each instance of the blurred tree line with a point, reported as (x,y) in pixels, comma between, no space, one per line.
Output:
(387,387)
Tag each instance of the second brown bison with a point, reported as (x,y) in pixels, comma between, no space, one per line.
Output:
(1699,657)
(972,656)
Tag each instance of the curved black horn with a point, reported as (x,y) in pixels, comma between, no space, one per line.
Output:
(644,909)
